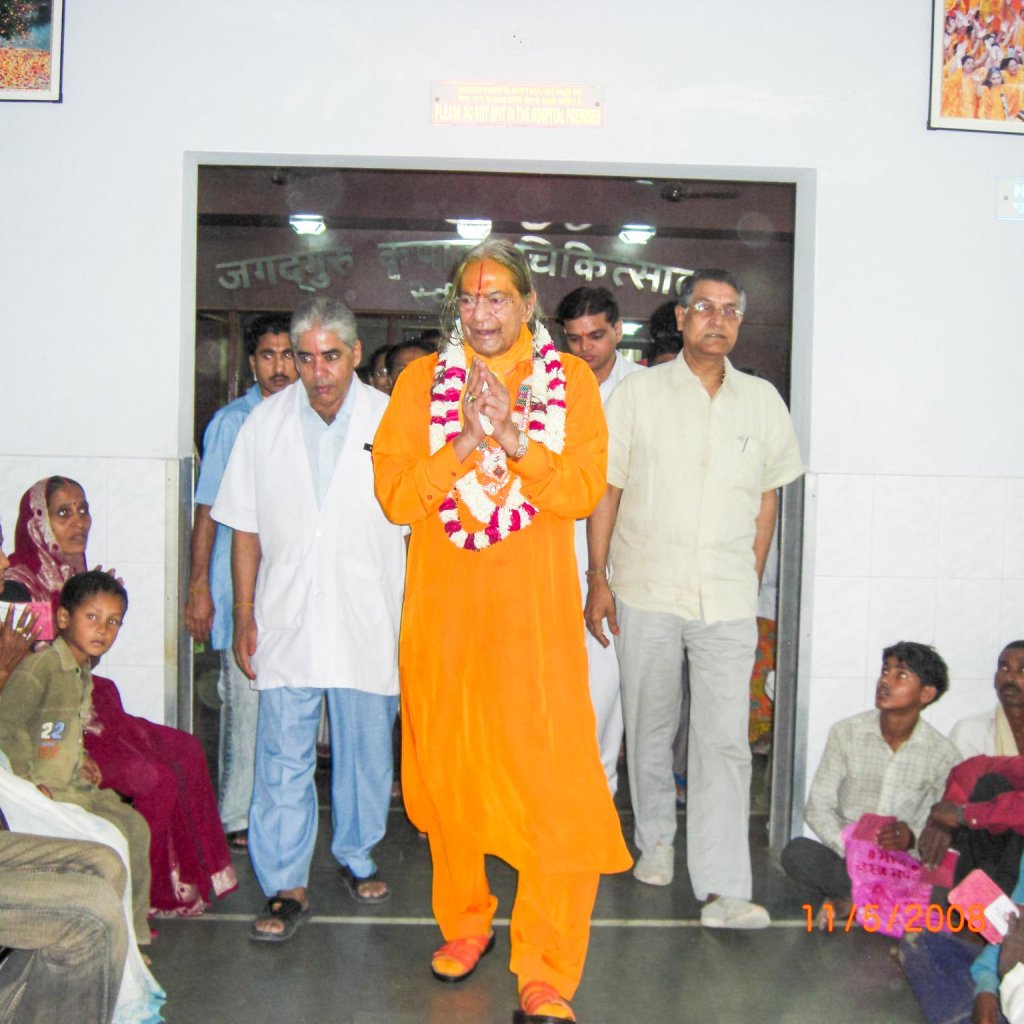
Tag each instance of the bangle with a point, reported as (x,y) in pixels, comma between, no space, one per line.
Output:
(199,586)
(522,445)
(597,572)
(244,604)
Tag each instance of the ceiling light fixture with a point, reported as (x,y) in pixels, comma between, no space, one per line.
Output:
(636,234)
(307,223)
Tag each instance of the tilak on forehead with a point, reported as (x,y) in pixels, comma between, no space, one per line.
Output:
(490,275)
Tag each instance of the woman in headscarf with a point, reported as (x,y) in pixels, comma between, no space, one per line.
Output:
(162,770)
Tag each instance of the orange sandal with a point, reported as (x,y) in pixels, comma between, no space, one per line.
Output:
(539,1003)
(466,953)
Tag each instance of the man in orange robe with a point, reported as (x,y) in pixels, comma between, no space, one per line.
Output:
(499,752)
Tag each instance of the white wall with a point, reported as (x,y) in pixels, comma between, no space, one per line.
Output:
(917,354)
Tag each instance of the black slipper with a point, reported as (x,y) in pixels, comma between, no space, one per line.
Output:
(238,842)
(352,883)
(286,910)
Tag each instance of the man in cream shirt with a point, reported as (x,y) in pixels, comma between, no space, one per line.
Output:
(318,575)
(696,453)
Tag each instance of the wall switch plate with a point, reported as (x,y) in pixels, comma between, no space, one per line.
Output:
(1010,199)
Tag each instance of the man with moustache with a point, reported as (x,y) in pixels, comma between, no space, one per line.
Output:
(697,451)
(1001,730)
(317,573)
(208,615)
(981,813)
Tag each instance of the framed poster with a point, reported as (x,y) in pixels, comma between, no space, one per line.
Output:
(977,81)
(31,50)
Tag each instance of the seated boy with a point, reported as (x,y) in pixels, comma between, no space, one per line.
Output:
(886,761)
(46,704)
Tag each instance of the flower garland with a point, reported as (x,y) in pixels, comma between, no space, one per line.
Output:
(542,415)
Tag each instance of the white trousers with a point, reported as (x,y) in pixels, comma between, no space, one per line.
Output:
(603,666)
(651,648)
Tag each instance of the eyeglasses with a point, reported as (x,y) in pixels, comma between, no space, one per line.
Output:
(496,302)
(381,371)
(725,312)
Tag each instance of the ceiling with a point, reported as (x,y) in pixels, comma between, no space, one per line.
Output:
(385,200)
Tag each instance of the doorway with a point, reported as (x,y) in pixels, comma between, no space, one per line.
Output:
(391,235)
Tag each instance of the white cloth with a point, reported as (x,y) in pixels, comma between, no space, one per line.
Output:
(27,810)
(975,734)
(329,590)
(1011,994)
(602,663)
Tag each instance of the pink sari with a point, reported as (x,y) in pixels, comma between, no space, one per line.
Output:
(162,770)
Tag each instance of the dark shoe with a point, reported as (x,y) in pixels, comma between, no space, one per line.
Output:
(353,884)
(238,842)
(289,912)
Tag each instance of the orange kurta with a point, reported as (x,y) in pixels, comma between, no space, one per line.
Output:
(1013,86)
(499,741)
(993,103)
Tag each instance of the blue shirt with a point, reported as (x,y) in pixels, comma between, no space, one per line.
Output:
(218,441)
(324,441)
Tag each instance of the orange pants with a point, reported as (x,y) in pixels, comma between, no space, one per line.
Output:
(550,922)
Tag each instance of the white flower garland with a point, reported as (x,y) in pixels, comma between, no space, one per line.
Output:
(545,423)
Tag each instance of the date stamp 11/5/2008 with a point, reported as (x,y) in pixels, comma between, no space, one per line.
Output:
(917,917)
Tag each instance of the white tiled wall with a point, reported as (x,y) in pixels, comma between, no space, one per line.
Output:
(128,499)
(934,559)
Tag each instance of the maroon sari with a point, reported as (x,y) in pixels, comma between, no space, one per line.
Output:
(162,770)
(165,774)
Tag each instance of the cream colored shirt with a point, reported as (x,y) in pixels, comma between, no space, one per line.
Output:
(692,470)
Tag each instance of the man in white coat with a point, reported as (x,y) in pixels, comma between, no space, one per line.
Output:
(590,321)
(318,574)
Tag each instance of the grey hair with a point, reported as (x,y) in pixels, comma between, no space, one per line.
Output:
(711,274)
(330,315)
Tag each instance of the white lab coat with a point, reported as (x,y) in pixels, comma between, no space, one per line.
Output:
(329,589)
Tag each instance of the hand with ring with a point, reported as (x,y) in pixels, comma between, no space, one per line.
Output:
(16,640)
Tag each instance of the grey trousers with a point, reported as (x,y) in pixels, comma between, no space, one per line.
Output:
(236,760)
(61,912)
(651,648)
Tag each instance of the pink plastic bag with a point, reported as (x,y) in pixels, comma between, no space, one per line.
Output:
(886,884)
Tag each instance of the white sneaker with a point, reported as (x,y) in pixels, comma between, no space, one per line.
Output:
(733,912)
(656,868)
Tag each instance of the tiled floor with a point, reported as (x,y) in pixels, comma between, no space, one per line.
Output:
(649,959)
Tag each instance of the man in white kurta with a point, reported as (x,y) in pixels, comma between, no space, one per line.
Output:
(318,575)
(592,328)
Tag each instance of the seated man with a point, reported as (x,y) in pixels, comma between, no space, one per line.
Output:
(61,912)
(1011,967)
(1001,730)
(955,984)
(981,815)
(885,761)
